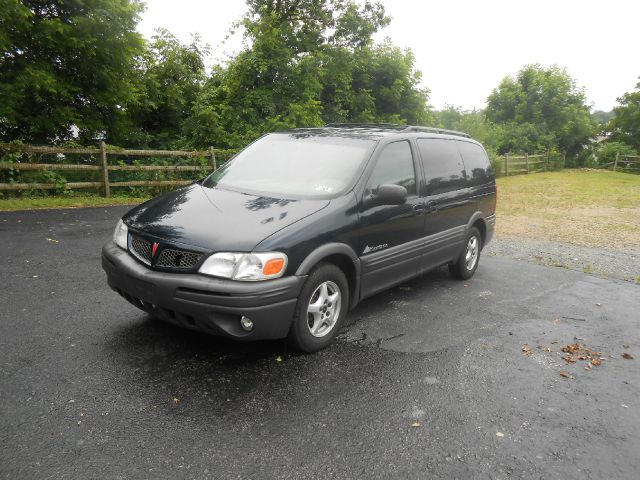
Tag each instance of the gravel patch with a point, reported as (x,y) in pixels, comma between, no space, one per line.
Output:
(621,264)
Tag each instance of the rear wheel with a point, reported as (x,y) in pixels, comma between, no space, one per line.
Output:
(465,266)
(322,306)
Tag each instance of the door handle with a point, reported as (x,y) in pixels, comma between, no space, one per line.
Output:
(418,209)
(432,206)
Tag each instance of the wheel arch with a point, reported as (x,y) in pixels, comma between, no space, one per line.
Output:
(342,256)
(477,220)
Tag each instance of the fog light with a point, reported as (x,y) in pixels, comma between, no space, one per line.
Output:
(246,324)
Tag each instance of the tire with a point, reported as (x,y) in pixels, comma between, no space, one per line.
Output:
(467,263)
(317,319)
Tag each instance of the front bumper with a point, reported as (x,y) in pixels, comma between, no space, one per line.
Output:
(198,302)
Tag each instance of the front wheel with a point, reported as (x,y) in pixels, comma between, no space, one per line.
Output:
(322,306)
(467,263)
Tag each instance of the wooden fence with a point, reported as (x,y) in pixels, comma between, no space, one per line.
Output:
(101,165)
(626,163)
(518,165)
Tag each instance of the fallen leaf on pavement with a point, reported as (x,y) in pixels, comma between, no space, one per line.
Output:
(416,424)
(499,434)
(627,356)
(176,401)
(565,375)
(279,359)
(596,362)
(53,240)
(571,348)
(625,346)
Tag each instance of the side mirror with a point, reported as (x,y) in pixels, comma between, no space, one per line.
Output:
(387,194)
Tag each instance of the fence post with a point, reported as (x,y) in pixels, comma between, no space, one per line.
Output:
(105,169)
(506,164)
(615,164)
(212,153)
(564,159)
(546,168)
(526,161)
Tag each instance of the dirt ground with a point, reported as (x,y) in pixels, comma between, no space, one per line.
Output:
(580,207)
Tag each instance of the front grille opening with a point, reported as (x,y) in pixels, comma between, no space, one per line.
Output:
(168,258)
(141,249)
(172,258)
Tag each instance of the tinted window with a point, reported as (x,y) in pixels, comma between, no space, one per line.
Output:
(443,165)
(476,163)
(296,164)
(394,165)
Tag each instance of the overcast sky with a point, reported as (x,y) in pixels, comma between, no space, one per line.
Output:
(465,47)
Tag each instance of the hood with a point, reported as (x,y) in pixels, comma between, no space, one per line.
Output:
(217,219)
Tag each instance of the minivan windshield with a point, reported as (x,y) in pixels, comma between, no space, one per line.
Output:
(296,164)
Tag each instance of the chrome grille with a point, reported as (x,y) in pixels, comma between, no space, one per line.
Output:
(141,249)
(170,258)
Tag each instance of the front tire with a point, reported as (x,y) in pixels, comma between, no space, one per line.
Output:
(467,263)
(321,309)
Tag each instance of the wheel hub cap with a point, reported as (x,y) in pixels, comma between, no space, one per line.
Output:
(471,256)
(324,309)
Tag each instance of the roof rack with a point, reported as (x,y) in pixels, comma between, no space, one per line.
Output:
(436,130)
(393,126)
(402,128)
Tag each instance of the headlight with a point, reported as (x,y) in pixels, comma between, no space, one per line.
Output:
(120,235)
(245,266)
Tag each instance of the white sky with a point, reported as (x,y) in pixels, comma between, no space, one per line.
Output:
(465,47)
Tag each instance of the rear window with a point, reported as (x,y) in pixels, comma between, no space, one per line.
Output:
(295,164)
(476,163)
(443,165)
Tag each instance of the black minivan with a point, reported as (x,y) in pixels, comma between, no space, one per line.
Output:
(301,225)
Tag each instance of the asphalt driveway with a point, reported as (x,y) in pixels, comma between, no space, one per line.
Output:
(433,379)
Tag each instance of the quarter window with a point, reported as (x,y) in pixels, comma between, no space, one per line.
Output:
(394,166)
(476,163)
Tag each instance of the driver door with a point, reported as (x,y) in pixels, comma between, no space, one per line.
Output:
(391,235)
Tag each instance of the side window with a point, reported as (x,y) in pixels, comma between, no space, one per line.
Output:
(476,162)
(443,165)
(395,165)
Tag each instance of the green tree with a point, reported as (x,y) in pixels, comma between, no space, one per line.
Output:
(473,122)
(606,152)
(539,109)
(602,117)
(169,77)
(625,125)
(65,65)
(307,62)
(375,83)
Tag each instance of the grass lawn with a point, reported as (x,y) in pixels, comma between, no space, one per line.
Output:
(585,207)
(75,201)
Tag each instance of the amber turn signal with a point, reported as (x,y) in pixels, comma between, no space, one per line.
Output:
(273,266)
